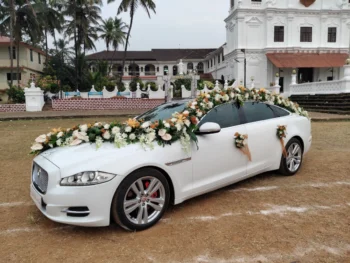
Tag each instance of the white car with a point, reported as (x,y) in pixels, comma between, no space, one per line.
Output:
(87,187)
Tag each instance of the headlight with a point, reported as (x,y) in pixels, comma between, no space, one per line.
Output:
(87,178)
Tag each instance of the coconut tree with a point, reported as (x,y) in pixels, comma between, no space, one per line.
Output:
(131,7)
(113,31)
(25,22)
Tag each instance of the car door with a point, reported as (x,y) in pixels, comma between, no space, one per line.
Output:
(265,148)
(218,162)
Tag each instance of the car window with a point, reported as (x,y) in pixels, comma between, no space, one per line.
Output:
(279,111)
(255,111)
(163,112)
(225,115)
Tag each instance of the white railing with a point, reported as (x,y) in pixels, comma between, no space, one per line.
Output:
(323,87)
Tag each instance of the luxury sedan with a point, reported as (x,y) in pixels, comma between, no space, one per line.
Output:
(87,187)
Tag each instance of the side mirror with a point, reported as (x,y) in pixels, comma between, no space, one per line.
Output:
(209,128)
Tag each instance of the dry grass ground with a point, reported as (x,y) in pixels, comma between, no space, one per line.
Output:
(269,218)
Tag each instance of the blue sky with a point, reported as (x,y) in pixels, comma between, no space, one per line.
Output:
(177,24)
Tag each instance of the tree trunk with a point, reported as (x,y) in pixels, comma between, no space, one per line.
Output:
(126,44)
(75,46)
(11,41)
(46,44)
(17,42)
(54,38)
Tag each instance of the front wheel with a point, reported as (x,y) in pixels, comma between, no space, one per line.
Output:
(141,200)
(291,165)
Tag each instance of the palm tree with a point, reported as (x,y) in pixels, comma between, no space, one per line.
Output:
(50,19)
(131,6)
(113,32)
(24,20)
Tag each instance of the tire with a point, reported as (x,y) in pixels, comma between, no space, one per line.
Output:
(135,208)
(290,166)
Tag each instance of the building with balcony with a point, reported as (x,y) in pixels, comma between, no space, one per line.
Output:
(151,65)
(279,36)
(31,64)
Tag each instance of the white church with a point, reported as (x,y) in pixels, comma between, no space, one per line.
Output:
(301,41)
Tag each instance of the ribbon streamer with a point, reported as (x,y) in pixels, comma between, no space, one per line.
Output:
(284,152)
(245,150)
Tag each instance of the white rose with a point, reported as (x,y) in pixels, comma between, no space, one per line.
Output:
(173,120)
(59,135)
(36,147)
(124,136)
(210,104)
(178,127)
(107,135)
(151,136)
(115,130)
(128,129)
(166,137)
(132,136)
(41,138)
(80,135)
(226,97)
(186,112)
(145,125)
(194,103)
(106,126)
(59,142)
(76,142)
(247,95)
(97,124)
(49,134)
(217,97)
(83,128)
(199,114)
(68,129)
(161,132)
(193,107)
(207,96)
(167,125)
(187,123)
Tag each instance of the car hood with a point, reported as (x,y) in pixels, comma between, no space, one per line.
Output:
(88,154)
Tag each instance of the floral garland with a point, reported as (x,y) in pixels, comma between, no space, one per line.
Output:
(181,127)
(242,144)
(281,134)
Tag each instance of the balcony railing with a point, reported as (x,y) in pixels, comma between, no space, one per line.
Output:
(150,73)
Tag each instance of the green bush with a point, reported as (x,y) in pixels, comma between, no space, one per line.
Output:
(121,87)
(200,84)
(54,88)
(210,85)
(16,95)
(185,82)
(133,84)
(153,85)
(66,88)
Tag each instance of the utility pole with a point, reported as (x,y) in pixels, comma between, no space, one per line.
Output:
(11,41)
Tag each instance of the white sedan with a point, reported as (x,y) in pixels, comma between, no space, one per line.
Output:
(87,187)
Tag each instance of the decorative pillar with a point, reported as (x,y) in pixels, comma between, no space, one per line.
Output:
(34,98)
(294,77)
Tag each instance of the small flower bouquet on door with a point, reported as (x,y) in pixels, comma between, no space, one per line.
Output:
(241,142)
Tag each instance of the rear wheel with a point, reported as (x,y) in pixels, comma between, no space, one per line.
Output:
(141,200)
(291,165)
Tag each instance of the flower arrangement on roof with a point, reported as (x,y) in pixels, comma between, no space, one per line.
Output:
(180,127)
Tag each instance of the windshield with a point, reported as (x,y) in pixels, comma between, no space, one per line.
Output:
(164,111)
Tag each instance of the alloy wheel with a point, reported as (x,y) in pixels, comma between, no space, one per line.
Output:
(294,157)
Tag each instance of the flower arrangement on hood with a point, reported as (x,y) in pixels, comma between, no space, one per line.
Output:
(181,127)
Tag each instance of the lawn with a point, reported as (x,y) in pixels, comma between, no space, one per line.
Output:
(269,218)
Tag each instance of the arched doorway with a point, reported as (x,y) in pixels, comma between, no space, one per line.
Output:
(117,69)
(150,70)
(134,70)
(200,68)
(189,67)
(174,70)
(166,70)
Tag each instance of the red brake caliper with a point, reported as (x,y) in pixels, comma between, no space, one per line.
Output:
(155,194)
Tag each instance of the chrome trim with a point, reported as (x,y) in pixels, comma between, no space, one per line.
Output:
(179,161)
(75,212)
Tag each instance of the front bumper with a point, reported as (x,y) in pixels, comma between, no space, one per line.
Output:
(58,199)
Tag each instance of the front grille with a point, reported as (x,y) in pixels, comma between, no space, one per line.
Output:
(40,178)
